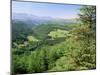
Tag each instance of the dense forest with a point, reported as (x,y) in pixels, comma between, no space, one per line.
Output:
(50,47)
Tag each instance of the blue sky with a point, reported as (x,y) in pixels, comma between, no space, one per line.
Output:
(44,9)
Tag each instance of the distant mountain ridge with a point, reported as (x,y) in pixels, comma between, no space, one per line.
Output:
(37,20)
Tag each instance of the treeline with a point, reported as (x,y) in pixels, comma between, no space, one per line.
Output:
(60,50)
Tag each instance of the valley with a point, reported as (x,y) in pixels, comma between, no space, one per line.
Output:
(45,44)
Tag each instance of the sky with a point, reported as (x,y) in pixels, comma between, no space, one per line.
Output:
(65,11)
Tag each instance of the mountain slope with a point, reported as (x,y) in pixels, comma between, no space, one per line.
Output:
(37,20)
